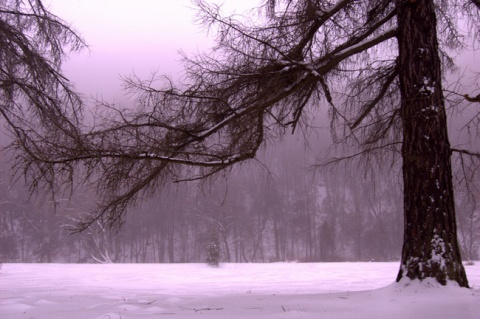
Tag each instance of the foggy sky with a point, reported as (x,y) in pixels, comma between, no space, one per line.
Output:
(145,36)
(127,36)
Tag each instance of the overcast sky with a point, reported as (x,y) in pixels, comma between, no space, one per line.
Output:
(140,36)
(128,36)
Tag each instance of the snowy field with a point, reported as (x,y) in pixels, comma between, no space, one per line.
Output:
(277,290)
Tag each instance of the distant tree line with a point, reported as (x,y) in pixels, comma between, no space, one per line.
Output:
(268,212)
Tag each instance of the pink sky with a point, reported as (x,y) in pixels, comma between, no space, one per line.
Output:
(131,36)
(141,36)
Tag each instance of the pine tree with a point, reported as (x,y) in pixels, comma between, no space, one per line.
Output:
(213,249)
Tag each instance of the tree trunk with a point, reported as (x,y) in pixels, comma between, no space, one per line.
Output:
(430,248)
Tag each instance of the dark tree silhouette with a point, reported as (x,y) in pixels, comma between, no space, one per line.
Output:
(430,246)
(36,101)
(261,78)
(213,249)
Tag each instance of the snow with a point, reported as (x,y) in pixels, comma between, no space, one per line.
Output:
(276,290)
(428,86)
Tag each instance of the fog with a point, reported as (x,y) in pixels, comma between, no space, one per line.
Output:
(275,208)
(126,37)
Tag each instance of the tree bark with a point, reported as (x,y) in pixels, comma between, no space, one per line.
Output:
(430,248)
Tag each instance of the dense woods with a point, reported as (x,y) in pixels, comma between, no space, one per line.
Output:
(276,209)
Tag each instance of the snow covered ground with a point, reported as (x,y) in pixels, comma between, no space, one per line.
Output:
(277,290)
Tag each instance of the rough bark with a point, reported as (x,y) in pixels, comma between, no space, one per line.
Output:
(430,248)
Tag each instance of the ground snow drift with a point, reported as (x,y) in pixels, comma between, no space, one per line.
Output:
(277,290)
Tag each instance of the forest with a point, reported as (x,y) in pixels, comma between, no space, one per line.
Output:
(279,208)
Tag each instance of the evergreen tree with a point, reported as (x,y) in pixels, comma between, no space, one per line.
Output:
(213,249)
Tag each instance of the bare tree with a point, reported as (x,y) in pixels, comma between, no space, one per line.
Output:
(96,241)
(36,100)
(262,78)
